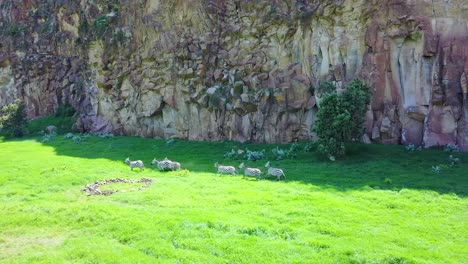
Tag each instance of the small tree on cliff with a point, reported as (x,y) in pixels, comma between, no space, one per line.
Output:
(13,119)
(341,117)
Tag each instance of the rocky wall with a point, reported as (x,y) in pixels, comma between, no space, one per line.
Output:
(238,69)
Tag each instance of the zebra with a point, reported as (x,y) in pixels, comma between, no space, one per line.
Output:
(275,172)
(251,172)
(175,165)
(135,164)
(162,165)
(166,164)
(225,169)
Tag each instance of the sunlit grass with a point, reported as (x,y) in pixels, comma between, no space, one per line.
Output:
(381,204)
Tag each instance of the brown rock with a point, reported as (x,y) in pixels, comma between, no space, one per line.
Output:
(51,129)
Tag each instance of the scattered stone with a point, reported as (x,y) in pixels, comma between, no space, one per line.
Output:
(93,189)
(50,129)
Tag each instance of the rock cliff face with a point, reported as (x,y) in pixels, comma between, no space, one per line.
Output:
(239,69)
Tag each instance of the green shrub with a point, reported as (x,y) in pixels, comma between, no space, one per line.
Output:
(13,119)
(290,153)
(453,160)
(254,155)
(308,147)
(341,118)
(76,139)
(294,147)
(412,148)
(105,135)
(356,99)
(47,137)
(451,148)
(170,142)
(280,154)
(437,169)
(234,154)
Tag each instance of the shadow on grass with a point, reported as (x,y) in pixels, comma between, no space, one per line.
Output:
(365,167)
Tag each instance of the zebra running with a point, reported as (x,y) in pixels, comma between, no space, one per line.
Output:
(275,172)
(135,164)
(175,165)
(225,169)
(163,165)
(251,172)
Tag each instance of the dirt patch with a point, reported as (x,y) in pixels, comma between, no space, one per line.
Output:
(94,189)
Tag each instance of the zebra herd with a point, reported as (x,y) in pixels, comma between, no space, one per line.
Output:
(251,172)
(164,165)
(169,165)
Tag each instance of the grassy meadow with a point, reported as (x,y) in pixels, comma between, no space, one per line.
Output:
(381,204)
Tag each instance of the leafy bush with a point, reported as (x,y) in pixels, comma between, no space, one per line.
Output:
(170,142)
(308,147)
(451,148)
(412,148)
(254,155)
(294,147)
(341,118)
(453,160)
(47,137)
(437,169)
(76,139)
(81,137)
(280,154)
(105,135)
(13,119)
(234,154)
(331,148)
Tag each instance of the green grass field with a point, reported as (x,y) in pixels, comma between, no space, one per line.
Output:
(380,204)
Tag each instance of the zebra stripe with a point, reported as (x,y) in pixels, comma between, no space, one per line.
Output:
(251,172)
(225,169)
(175,165)
(162,165)
(135,164)
(275,172)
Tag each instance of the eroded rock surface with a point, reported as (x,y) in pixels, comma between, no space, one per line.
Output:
(238,69)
